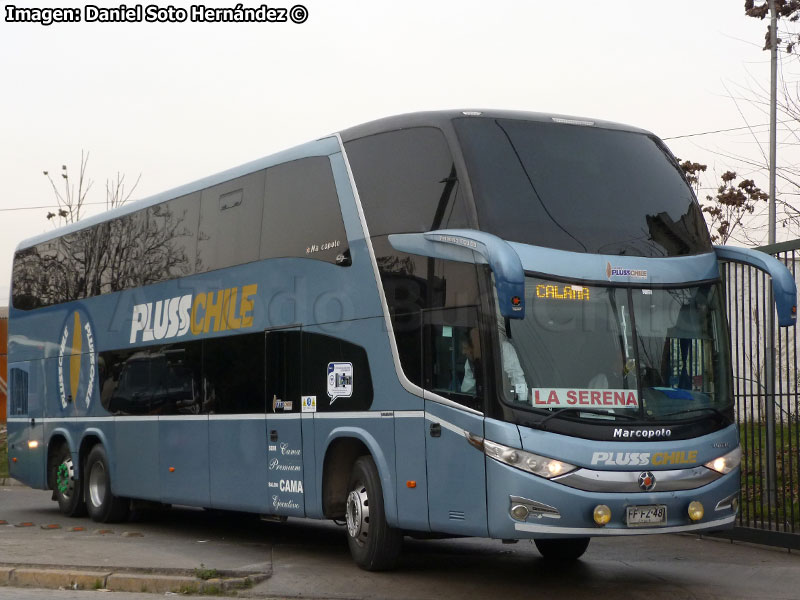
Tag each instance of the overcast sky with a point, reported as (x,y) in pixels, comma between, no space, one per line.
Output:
(178,101)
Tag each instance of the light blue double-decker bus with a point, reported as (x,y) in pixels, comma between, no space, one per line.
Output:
(468,323)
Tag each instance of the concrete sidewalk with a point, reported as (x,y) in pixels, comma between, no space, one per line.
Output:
(39,547)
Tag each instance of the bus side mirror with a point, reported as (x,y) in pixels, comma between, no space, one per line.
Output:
(462,245)
(784,288)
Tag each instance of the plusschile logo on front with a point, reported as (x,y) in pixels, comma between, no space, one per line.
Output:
(77,360)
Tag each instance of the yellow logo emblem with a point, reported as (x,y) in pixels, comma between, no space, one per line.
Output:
(77,340)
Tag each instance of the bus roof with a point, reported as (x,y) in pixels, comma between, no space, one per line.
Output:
(324,145)
(440,119)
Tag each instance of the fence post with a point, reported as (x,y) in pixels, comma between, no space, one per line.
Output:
(769,376)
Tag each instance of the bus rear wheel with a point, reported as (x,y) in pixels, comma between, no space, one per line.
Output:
(564,549)
(102,505)
(66,489)
(374,544)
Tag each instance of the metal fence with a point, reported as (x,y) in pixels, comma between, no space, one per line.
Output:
(765,386)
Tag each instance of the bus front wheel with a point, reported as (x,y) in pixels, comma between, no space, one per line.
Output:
(102,505)
(66,489)
(564,549)
(374,544)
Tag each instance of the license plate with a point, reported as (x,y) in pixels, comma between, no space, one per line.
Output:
(653,514)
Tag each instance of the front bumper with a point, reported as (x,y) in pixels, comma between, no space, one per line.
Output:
(575,507)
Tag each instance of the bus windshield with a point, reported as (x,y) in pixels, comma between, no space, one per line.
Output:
(580,188)
(617,353)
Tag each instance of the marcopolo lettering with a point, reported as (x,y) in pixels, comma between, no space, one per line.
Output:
(220,310)
(642,433)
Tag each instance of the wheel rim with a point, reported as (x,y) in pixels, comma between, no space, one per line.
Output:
(65,482)
(357,514)
(97,484)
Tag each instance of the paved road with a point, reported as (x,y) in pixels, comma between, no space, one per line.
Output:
(310,559)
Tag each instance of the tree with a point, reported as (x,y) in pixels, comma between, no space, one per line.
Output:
(732,202)
(72,200)
(789,10)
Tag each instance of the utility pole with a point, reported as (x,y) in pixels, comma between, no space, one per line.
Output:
(769,355)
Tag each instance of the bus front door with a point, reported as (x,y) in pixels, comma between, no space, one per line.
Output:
(453,403)
(285,493)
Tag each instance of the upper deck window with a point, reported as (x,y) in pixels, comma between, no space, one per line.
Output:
(579,188)
(407,181)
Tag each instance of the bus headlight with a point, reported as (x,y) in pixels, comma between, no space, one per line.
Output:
(726,463)
(527,461)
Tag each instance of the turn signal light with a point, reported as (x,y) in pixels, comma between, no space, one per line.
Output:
(602,514)
(696,510)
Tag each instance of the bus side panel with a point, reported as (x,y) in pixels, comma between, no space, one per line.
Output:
(313,491)
(183,460)
(412,488)
(136,458)
(26,459)
(456,470)
(286,493)
(237,456)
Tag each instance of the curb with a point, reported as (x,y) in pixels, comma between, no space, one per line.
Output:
(74,578)
(5,481)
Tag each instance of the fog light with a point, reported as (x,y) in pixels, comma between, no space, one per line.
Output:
(735,505)
(33,444)
(602,514)
(519,512)
(695,510)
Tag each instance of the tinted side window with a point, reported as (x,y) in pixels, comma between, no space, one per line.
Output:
(453,362)
(283,371)
(336,372)
(172,237)
(230,217)
(126,260)
(407,181)
(413,284)
(158,380)
(28,280)
(18,392)
(302,216)
(38,278)
(233,374)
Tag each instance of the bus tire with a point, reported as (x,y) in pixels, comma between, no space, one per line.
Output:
(66,489)
(101,504)
(564,549)
(374,544)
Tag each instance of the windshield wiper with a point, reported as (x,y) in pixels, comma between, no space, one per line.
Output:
(594,411)
(687,411)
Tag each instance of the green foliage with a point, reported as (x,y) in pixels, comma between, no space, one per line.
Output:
(3,457)
(206,574)
(755,507)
